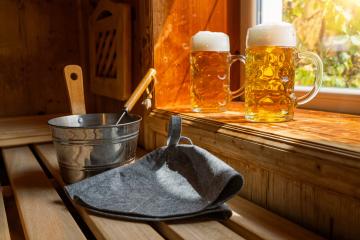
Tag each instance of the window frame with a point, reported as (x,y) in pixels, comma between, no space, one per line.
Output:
(328,99)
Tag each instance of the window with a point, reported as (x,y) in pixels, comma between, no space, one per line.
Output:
(331,28)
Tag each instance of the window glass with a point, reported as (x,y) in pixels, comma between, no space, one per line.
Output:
(331,28)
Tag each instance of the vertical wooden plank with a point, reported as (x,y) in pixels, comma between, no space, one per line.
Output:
(284,197)
(336,216)
(4,227)
(309,210)
(255,184)
(160,140)
(83,15)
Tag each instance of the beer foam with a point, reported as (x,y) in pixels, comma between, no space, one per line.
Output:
(271,34)
(210,41)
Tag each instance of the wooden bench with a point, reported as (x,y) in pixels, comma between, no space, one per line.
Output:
(4,227)
(45,212)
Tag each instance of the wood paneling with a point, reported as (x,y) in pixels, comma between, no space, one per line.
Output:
(37,39)
(174,22)
(306,170)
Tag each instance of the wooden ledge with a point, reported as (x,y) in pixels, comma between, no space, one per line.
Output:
(288,167)
(327,132)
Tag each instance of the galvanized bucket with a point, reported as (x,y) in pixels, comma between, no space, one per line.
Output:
(91,143)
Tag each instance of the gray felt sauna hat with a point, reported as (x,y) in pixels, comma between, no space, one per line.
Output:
(176,181)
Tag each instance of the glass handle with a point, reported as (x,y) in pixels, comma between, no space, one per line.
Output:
(318,77)
(240,91)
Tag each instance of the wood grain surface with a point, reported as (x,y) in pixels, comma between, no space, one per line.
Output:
(110,49)
(41,210)
(4,227)
(75,88)
(25,130)
(254,222)
(37,39)
(197,231)
(324,130)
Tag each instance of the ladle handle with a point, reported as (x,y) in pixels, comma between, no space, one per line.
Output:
(74,84)
(140,89)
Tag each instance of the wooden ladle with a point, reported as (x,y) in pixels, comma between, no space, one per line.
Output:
(149,76)
(74,84)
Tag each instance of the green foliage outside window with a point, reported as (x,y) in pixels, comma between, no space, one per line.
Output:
(330,28)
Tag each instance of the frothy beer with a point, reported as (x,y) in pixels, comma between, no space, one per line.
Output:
(280,34)
(270,72)
(209,66)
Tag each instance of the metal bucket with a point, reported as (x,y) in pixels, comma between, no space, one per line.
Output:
(90,144)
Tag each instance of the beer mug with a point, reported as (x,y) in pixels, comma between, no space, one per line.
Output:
(270,71)
(210,62)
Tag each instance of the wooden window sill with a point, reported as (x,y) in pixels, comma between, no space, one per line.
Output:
(289,168)
(323,131)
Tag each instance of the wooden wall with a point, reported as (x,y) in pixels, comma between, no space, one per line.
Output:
(141,52)
(174,22)
(310,182)
(37,39)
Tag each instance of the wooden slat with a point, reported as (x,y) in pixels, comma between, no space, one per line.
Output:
(25,130)
(4,227)
(6,191)
(197,230)
(110,59)
(41,210)
(103,228)
(254,222)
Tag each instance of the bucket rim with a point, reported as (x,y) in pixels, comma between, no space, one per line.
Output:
(51,124)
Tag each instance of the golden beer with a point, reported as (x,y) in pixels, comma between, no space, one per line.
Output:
(210,62)
(209,81)
(269,91)
(270,73)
